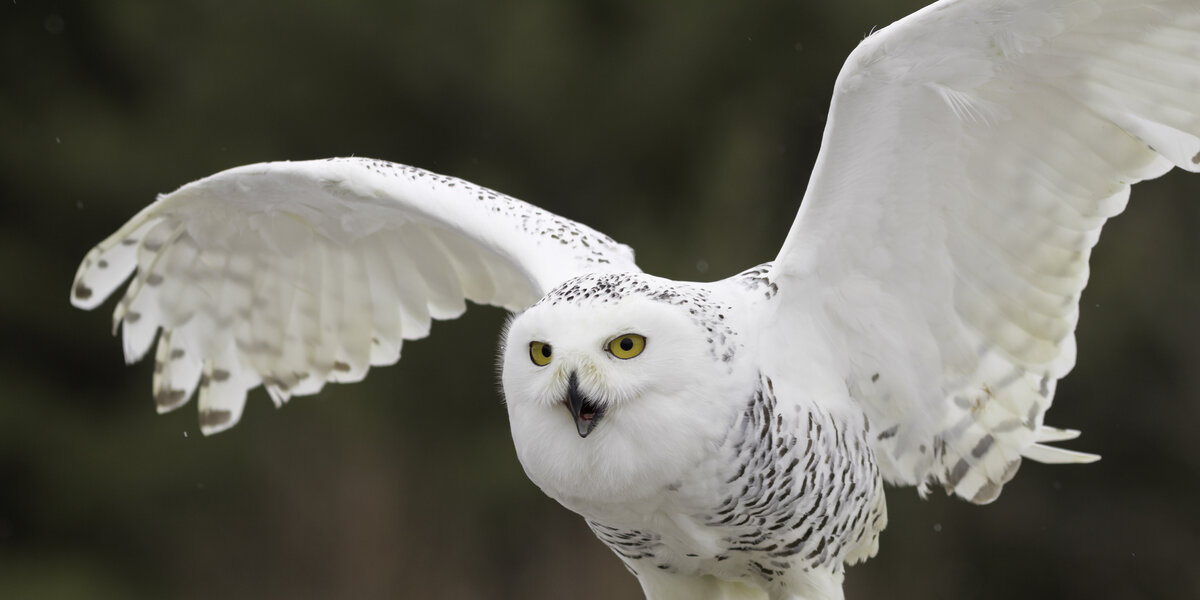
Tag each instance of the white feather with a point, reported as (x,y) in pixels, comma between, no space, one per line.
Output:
(296,274)
(972,153)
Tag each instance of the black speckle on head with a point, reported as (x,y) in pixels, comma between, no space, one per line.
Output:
(701,309)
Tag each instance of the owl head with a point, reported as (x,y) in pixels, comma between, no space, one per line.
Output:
(616,384)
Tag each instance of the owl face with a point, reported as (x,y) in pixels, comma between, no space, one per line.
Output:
(614,387)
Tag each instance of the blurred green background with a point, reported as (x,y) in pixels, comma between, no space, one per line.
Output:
(684,129)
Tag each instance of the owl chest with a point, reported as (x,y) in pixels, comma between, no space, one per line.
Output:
(789,490)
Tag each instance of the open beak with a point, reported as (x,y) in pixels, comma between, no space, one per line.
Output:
(585,412)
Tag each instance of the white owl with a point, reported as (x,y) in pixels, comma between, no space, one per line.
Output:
(726,439)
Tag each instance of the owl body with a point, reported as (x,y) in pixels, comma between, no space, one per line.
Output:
(751,484)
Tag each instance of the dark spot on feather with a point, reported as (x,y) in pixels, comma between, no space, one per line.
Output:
(277,383)
(220,375)
(215,418)
(990,491)
(889,432)
(169,398)
(154,279)
(82,292)
(820,547)
(1008,425)
(982,447)
(176,354)
(954,476)
(341,366)
(103,264)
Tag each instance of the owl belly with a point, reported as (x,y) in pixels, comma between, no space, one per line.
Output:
(791,490)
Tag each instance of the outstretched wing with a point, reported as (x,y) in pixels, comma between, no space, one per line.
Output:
(973,152)
(292,274)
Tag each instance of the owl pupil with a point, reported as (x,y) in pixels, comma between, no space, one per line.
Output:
(627,344)
(546,350)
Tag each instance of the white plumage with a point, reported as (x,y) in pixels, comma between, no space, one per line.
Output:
(295,274)
(912,328)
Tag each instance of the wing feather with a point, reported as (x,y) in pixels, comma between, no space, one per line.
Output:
(414,291)
(291,275)
(972,154)
(176,373)
(446,294)
(388,336)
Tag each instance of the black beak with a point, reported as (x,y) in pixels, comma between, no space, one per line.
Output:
(585,412)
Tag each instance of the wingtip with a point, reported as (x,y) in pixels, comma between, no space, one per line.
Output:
(84,295)
(110,263)
(213,421)
(1057,456)
(1045,433)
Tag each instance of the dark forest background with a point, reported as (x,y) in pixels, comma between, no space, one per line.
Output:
(684,129)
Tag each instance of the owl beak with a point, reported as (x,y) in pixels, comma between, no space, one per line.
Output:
(585,412)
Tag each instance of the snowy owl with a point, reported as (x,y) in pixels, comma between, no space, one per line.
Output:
(728,439)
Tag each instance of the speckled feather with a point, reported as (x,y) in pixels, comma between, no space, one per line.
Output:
(783,491)
(293,274)
(703,310)
(801,494)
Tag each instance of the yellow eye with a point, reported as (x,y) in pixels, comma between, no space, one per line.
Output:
(540,353)
(627,346)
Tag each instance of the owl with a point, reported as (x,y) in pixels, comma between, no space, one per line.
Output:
(725,439)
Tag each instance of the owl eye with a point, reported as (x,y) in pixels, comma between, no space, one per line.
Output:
(540,353)
(627,346)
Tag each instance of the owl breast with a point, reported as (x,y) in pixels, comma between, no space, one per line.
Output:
(791,489)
